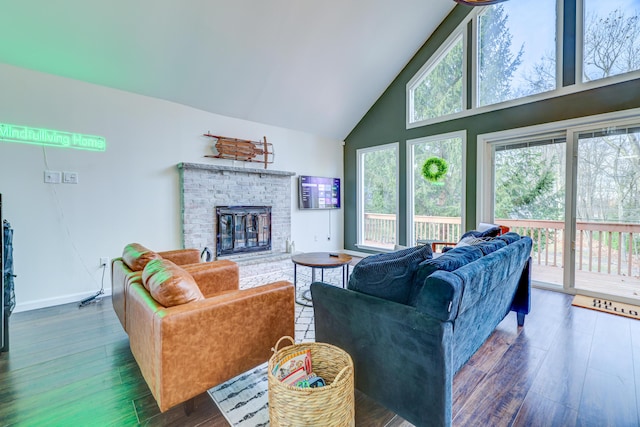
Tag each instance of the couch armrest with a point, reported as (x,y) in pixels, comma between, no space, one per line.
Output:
(121,279)
(215,277)
(440,296)
(205,343)
(402,357)
(181,256)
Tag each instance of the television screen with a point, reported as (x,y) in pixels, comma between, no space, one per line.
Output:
(318,192)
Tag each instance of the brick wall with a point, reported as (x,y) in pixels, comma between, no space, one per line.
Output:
(205,186)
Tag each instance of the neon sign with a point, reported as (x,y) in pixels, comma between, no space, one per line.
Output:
(52,138)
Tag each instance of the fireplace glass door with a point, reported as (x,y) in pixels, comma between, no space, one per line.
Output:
(243,229)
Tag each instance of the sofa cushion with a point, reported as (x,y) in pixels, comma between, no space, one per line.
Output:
(424,251)
(489,232)
(485,244)
(488,246)
(493,271)
(136,256)
(169,284)
(474,236)
(448,261)
(386,278)
(509,237)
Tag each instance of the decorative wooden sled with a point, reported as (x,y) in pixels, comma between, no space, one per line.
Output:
(242,149)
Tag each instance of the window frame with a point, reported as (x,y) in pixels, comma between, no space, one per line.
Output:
(432,62)
(570,129)
(579,65)
(360,193)
(475,49)
(462,134)
(470,74)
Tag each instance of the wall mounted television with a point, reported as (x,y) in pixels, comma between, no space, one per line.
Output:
(317,192)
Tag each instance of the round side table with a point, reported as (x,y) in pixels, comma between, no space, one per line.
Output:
(318,260)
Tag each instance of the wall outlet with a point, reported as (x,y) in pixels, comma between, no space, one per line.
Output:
(104,261)
(52,177)
(70,177)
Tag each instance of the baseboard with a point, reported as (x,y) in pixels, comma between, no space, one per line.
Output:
(50,302)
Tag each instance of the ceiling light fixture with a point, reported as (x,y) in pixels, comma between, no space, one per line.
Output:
(478,2)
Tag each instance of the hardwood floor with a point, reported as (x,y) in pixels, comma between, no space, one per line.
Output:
(568,366)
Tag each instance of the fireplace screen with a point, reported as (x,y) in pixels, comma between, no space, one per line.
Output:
(243,229)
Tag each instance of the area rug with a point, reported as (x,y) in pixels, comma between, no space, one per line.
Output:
(244,400)
(607,306)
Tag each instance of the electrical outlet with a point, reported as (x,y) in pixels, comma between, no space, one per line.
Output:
(70,177)
(52,177)
(104,261)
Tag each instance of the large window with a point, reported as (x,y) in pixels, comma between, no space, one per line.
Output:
(378,196)
(607,209)
(529,197)
(611,38)
(574,188)
(435,211)
(515,56)
(438,89)
(516,51)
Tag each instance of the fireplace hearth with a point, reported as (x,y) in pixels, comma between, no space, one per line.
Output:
(242,229)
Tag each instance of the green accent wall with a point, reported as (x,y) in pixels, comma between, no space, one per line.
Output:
(385,122)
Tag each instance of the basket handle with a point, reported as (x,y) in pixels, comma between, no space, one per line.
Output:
(275,349)
(341,373)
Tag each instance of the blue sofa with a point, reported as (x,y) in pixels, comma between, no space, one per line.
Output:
(408,343)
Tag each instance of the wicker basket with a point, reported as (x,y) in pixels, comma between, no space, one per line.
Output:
(330,406)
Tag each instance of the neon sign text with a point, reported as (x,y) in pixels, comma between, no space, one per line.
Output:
(52,138)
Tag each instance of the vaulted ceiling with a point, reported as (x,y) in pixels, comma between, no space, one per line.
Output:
(313,66)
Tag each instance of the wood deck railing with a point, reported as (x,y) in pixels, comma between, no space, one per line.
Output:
(381,228)
(602,247)
(610,248)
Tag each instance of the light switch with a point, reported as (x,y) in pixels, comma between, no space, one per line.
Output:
(52,177)
(70,177)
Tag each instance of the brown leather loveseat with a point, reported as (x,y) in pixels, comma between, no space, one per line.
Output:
(190,327)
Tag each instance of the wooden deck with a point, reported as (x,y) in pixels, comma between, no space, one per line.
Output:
(599,247)
(623,288)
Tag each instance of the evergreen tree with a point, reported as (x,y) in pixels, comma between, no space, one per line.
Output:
(380,182)
(440,91)
(497,64)
(442,198)
(525,184)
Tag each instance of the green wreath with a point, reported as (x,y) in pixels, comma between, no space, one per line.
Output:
(434,168)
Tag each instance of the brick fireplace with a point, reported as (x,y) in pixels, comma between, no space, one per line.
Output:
(206,187)
(243,229)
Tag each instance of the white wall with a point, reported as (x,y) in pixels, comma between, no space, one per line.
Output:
(130,192)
